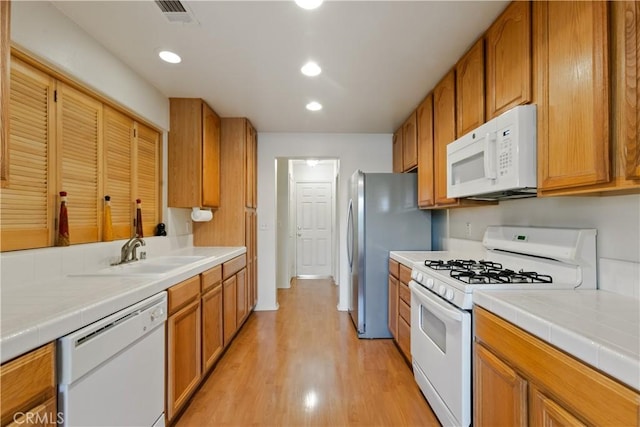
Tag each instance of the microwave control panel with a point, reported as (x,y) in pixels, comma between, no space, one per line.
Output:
(505,152)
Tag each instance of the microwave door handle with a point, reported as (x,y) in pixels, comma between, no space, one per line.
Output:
(490,156)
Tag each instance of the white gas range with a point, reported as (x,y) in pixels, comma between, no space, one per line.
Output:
(442,297)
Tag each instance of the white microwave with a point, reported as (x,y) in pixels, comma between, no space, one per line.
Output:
(496,160)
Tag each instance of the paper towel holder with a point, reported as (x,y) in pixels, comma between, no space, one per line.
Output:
(201,215)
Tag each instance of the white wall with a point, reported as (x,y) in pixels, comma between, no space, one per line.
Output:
(49,35)
(368,152)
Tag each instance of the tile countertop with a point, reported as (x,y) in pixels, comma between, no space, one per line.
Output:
(598,327)
(408,258)
(38,313)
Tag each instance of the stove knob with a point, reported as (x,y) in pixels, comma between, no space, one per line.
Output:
(442,290)
(414,274)
(449,295)
(420,277)
(430,283)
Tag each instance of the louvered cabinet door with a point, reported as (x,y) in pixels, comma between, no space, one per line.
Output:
(147,176)
(26,207)
(118,150)
(79,144)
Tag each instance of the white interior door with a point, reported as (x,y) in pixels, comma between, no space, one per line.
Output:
(313,228)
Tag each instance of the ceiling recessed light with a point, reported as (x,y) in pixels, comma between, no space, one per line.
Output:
(309,4)
(311,69)
(314,106)
(169,56)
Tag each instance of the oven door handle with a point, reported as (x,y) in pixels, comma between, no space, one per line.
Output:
(441,308)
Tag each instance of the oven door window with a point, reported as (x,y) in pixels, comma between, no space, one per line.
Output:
(434,328)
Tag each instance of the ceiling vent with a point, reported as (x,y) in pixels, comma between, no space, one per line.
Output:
(176,12)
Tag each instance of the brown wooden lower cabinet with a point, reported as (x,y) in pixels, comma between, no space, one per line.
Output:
(546,412)
(205,313)
(28,389)
(242,296)
(234,296)
(521,380)
(399,309)
(212,339)
(404,337)
(393,306)
(44,415)
(184,368)
(230,308)
(496,381)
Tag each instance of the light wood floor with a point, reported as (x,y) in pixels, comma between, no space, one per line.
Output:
(304,365)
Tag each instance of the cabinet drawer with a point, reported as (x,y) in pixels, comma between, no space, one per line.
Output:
(405,274)
(230,268)
(43,415)
(211,277)
(27,382)
(183,293)
(394,268)
(405,293)
(404,310)
(404,338)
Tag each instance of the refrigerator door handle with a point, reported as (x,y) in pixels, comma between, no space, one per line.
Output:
(350,235)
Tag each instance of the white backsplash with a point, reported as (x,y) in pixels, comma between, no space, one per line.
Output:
(617,219)
(621,277)
(19,268)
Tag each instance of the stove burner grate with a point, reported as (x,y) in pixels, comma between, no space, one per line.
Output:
(461,264)
(485,272)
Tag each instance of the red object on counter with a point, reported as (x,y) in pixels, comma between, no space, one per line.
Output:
(63,222)
(139,232)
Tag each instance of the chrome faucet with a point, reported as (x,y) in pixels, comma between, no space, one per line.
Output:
(128,250)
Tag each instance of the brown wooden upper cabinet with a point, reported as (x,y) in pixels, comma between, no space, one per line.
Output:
(251,179)
(424,124)
(571,47)
(397,150)
(193,154)
(627,49)
(444,132)
(470,90)
(409,143)
(508,60)
(405,146)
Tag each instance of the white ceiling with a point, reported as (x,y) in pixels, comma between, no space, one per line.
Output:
(379,58)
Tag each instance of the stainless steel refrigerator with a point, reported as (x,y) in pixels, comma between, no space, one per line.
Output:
(383,216)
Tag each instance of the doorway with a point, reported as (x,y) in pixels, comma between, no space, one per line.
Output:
(306,218)
(313,229)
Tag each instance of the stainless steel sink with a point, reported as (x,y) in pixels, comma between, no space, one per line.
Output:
(155,267)
(175,259)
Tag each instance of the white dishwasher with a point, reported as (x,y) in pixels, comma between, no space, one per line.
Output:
(111,373)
